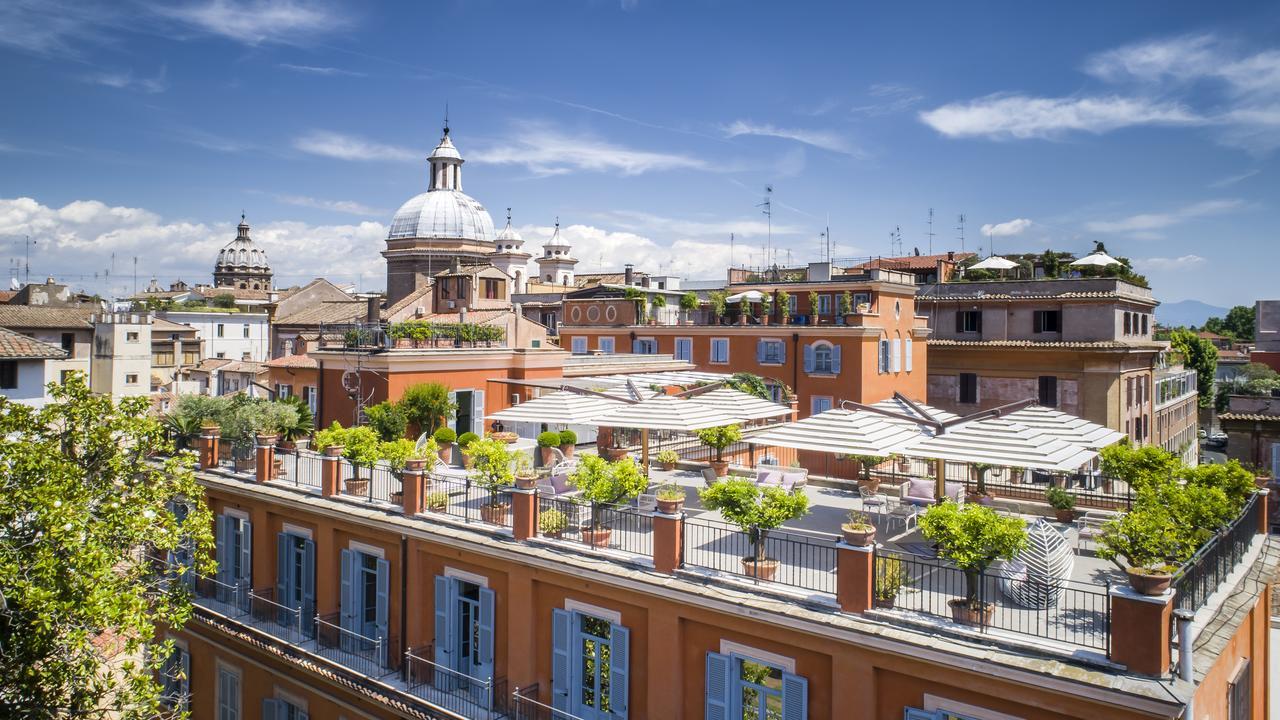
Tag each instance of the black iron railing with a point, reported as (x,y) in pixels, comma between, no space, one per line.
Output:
(372,483)
(451,690)
(366,655)
(1200,577)
(462,498)
(525,706)
(1059,609)
(786,556)
(599,525)
(301,468)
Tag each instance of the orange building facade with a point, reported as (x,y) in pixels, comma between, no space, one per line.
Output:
(584,629)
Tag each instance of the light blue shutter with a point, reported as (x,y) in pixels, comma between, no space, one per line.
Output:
(808,358)
(917,714)
(222,553)
(635,347)
(782,353)
(246,555)
(282,575)
(184,679)
(383,607)
(477,412)
(718,668)
(835,359)
(619,670)
(906,354)
(895,358)
(795,697)
(760,351)
(347,599)
(444,640)
(486,633)
(272,709)
(561,627)
(308,582)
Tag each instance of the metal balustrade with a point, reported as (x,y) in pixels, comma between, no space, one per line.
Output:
(599,525)
(366,655)
(795,558)
(300,468)
(525,706)
(454,691)
(1204,573)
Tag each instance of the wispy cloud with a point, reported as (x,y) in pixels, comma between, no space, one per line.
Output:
(55,28)
(824,139)
(257,21)
(351,147)
(350,207)
(313,70)
(639,221)
(1021,117)
(1144,225)
(1233,179)
(1009,228)
(126,80)
(1182,262)
(888,98)
(545,150)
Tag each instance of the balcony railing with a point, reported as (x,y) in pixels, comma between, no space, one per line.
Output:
(372,483)
(1208,569)
(301,468)
(791,557)
(366,655)
(598,525)
(291,625)
(457,692)
(525,706)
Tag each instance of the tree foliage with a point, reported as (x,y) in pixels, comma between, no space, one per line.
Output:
(608,482)
(1142,467)
(718,438)
(388,419)
(749,383)
(83,514)
(427,405)
(1239,324)
(491,464)
(1200,355)
(972,536)
(754,509)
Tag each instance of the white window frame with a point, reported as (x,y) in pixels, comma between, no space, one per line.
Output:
(374,550)
(935,703)
(220,668)
(824,305)
(649,339)
(813,400)
(782,349)
(713,360)
(600,345)
(782,662)
(578,345)
(895,355)
(676,348)
(466,576)
(613,616)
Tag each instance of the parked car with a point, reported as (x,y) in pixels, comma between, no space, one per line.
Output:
(1217,439)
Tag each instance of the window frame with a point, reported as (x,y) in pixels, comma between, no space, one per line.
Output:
(778,357)
(1040,321)
(715,342)
(960,386)
(964,327)
(578,345)
(600,345)
(1046,385)
(823,351)
(687,342)
(8,374)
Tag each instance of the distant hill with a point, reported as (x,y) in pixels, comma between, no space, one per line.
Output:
(1187,313)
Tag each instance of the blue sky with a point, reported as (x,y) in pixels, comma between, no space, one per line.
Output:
(649,128)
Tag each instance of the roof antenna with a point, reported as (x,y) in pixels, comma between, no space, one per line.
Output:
(961,229)
(446,117)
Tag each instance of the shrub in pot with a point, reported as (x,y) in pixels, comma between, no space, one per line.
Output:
(445,437)
(972,537)
(568,440)
(602,482)
(436,501)
(858,530)
(890,578)
(667,459)
(1062,502)
(978,473)
(491,467)
(526,476)
(464,442)
(670,498)
(1148,540)
(719,438)
(867,463)
(784,307)
(552,523)
(755,511)
(548,442)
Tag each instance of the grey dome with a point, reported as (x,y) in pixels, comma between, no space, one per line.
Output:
(442,214)
(242,253)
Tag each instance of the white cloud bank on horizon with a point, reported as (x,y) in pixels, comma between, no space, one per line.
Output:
(1010,228)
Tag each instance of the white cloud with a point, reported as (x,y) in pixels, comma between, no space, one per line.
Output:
(889,98)
(1177,58)
(55,28)
(314,70)
(257,21)
(1144,224)
(1020,116)
(823,139)
(126,80)
(76,242)
(547,151)
(351,147)
(343,206)
(1017,226)
(1233,179)
(601,249)
(1183,262)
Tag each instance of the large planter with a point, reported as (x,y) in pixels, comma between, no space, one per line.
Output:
(1149,582)
(612,454)
(397,498)
(356,486)
(1064,516)
(668,466)
(721,467)
(446,454)
(467,460)
(670,507)
(965,614)
(248,464)
(763,569)
(858,535)
(885,603)
(495,514)
(527,483)
(567,449)
(597,537)
(415,464)
(404,343)
(548,456)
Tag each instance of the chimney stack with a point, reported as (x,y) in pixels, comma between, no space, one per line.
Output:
(373,308)
(628,274)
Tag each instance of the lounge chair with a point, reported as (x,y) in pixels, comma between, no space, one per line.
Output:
(709,476)
(919,491)
(787,479)
(1090,526)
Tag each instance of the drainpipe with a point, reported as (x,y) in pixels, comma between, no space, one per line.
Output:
(404,594)
(796,360)
(1186,657)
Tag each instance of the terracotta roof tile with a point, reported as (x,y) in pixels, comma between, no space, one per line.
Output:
(14,346)
(1250,417)
(910,262)
(326,312)
(293,361)
(40,316)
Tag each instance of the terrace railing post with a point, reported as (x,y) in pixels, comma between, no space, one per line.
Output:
(1264,512)
(411,490)
(209,439)
(855,577)
(668,542)
(266,458)
(331,472)
(1141,630)
(466,500)
(524,509)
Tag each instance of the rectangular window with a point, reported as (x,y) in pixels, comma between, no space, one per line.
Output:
(365,601)
(464,624)
(233,539)
(590,665)
(131,379)
(1240,694)
(222,330)
(819,404)
(1128,323)
(824,304)
(131,337)
(791,305)
(69,343)
(162,358)
(645,346)
(1145,326)
(8,374)
(895,357)
(283,391)
(296,580)
(753,689)
(228,694)
(882,360)
(1048,391)
(277,709)
(720,351)
(823,359)
(244,329)
(906,354)
(579,345)
(968,388)
(684,349)
(605,344)
(1047,321)
(772,352)
(176,679)
(968,321)
(491,291)
(190,357)
(861,299)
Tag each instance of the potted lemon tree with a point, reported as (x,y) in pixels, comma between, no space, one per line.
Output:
(755,511)
(602,482)
(972,537)
(719,438)
(667,459)
(491,467)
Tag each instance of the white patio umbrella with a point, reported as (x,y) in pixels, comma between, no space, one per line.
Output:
(748,296)
(1066,426)
(898,405)
(999,441)
(1096,259)
(664,412)
(563,408)
(995,262)
(740,404)
(850,432)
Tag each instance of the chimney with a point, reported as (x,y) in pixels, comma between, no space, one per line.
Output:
(373,308)
(644,281)
(628,274)
(951,256)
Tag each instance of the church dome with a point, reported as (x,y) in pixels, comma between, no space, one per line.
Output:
(507,239)
(242,253)
(442,214)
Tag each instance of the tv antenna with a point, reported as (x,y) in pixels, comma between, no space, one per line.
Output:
(768,213)
(930,231)
(895,241)
(27,261)
(960,227)
(730,249)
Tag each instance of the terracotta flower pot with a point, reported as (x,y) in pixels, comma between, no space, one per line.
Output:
(404,342)
(859,535)
(670,507)
(764,569)
(567,449)
(415,464)
(446,454)
(1149,582)
(964,613)
(721,467)
(885,603)
(467,461)
(397,498)
(527,482)
(333,451)
(597,537)
(495,514)
(548,456)
(356,486)
(613,453)
(1064,516)
(668,466)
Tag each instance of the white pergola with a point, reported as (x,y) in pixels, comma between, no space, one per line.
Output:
(1066,426)
(562,407)
(999,441)
(664,412)
(740,404)
(848,432)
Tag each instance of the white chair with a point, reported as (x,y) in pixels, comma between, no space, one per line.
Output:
(871,501)
(647,502)
(1090,526)
(905,513)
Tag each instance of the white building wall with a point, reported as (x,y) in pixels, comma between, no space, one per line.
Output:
(31,383)
(244,335)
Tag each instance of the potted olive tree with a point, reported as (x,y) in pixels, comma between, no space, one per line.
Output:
(688,303)
(766,308)
(667,459)
(784,307)
(1148,539)
(978,473)
(602,482)
(755,511)
(526,476)
(846,307)
(491,466)
(719,438)
(867,463)
(813,308)
(972,537)
(1062,502)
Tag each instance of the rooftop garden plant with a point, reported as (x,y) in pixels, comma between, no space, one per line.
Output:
(846,303)
(784,303)
(491,466)
(719,438)
(858,529)
(548,439)
(689,302)
(388,419)
(602,482)
(718,301)
(755,511)
(427,405)
(972,537)
(1062,502)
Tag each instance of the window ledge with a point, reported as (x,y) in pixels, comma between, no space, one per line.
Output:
(823,374)
(772,364)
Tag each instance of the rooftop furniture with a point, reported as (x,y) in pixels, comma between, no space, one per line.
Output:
(788,479)
(919,491)
(905,514)
(1090,525)
(871,501)
(1035,577)
(709,476)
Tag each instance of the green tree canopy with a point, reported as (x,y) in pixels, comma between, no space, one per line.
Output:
(1200,355)
(388,419)
(427,405)
(1239,324)
(83,516)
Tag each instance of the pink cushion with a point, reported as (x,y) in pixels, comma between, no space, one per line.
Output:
(920,488)
(769,478)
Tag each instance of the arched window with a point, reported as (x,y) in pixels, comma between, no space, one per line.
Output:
(822,362)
